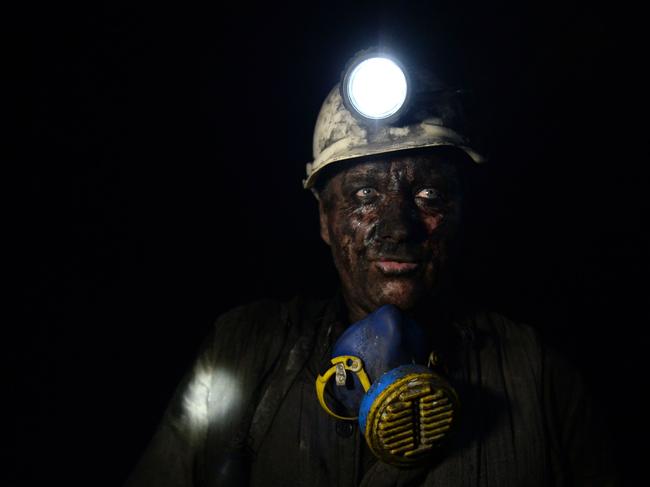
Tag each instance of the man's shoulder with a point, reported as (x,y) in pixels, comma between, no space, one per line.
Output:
(250,314)
(271,315)
(507,329)
(249,338)
(496,331)
(496,325)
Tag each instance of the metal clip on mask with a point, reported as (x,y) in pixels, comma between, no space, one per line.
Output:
(409,410)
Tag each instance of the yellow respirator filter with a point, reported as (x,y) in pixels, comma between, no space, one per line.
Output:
(405,416)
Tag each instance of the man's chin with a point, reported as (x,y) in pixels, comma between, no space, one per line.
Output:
(402,293)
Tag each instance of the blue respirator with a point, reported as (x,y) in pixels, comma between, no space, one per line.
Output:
(382,369)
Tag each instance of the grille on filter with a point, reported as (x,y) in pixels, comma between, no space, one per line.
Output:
(412,418)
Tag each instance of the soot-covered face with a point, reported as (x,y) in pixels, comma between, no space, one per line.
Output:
(389,223)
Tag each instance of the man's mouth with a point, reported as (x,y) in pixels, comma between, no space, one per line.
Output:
(396,268)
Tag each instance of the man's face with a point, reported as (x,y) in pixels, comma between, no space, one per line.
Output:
(389,222)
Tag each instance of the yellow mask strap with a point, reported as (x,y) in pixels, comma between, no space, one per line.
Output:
(339,366)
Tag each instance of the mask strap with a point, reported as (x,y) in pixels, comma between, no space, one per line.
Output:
(339,366)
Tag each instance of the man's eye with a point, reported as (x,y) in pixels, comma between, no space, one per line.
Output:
(428,194)
(366,193)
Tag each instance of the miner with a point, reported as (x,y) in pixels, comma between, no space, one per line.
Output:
(392,381)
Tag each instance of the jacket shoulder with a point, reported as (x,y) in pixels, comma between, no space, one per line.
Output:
(270,315)
(506,345)
(496,328)
(250,317)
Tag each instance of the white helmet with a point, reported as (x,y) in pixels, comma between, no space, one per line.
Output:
(418,114)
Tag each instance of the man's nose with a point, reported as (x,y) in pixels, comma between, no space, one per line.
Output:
(399,221)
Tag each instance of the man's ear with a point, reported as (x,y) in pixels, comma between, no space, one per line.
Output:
(324,228)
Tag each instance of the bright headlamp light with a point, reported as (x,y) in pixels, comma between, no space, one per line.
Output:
(375,87)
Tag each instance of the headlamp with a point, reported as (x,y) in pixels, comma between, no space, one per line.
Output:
(375,87)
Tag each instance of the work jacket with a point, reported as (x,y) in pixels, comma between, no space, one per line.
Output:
(247,412)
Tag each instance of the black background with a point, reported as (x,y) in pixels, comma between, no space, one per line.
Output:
(159,185)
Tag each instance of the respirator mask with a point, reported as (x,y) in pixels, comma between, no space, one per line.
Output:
(385,377)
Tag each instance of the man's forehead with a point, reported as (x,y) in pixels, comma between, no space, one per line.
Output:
(396,165)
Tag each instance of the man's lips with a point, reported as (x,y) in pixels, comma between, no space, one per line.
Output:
(395,267)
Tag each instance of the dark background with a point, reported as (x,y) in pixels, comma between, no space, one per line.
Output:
(159,184)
